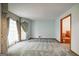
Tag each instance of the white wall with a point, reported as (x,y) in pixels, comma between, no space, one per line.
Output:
(57,29)
(43,28)
(74,11)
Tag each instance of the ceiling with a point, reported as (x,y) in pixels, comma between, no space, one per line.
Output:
(39,11)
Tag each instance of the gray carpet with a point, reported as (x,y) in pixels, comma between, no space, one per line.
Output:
(40,47)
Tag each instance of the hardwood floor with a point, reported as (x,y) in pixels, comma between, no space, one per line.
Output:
(40,47)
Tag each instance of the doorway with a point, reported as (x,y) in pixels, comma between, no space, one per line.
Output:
(65,34)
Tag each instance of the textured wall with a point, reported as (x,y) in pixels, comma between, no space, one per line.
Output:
(0,27)
(4,27)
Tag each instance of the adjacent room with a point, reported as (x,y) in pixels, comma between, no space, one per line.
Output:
(39,29)
(66,30)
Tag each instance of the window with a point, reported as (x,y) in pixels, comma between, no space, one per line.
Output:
(23,34)
(13,33)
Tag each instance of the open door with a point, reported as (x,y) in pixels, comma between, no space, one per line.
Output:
(66,30)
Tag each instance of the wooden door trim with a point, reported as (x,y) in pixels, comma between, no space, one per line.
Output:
(61,28)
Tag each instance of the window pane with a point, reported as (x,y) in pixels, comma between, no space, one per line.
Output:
(23,34)
(13,33)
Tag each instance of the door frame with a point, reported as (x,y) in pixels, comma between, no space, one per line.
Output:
(61,40)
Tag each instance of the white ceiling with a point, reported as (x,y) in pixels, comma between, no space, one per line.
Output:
(39,11)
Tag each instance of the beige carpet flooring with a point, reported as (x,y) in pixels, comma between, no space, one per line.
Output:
(40,47)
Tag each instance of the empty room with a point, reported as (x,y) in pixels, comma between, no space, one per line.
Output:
(39,29)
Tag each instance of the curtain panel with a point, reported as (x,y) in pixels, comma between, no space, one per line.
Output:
(19,29)
(18,21)
(24,26)
(13,16)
